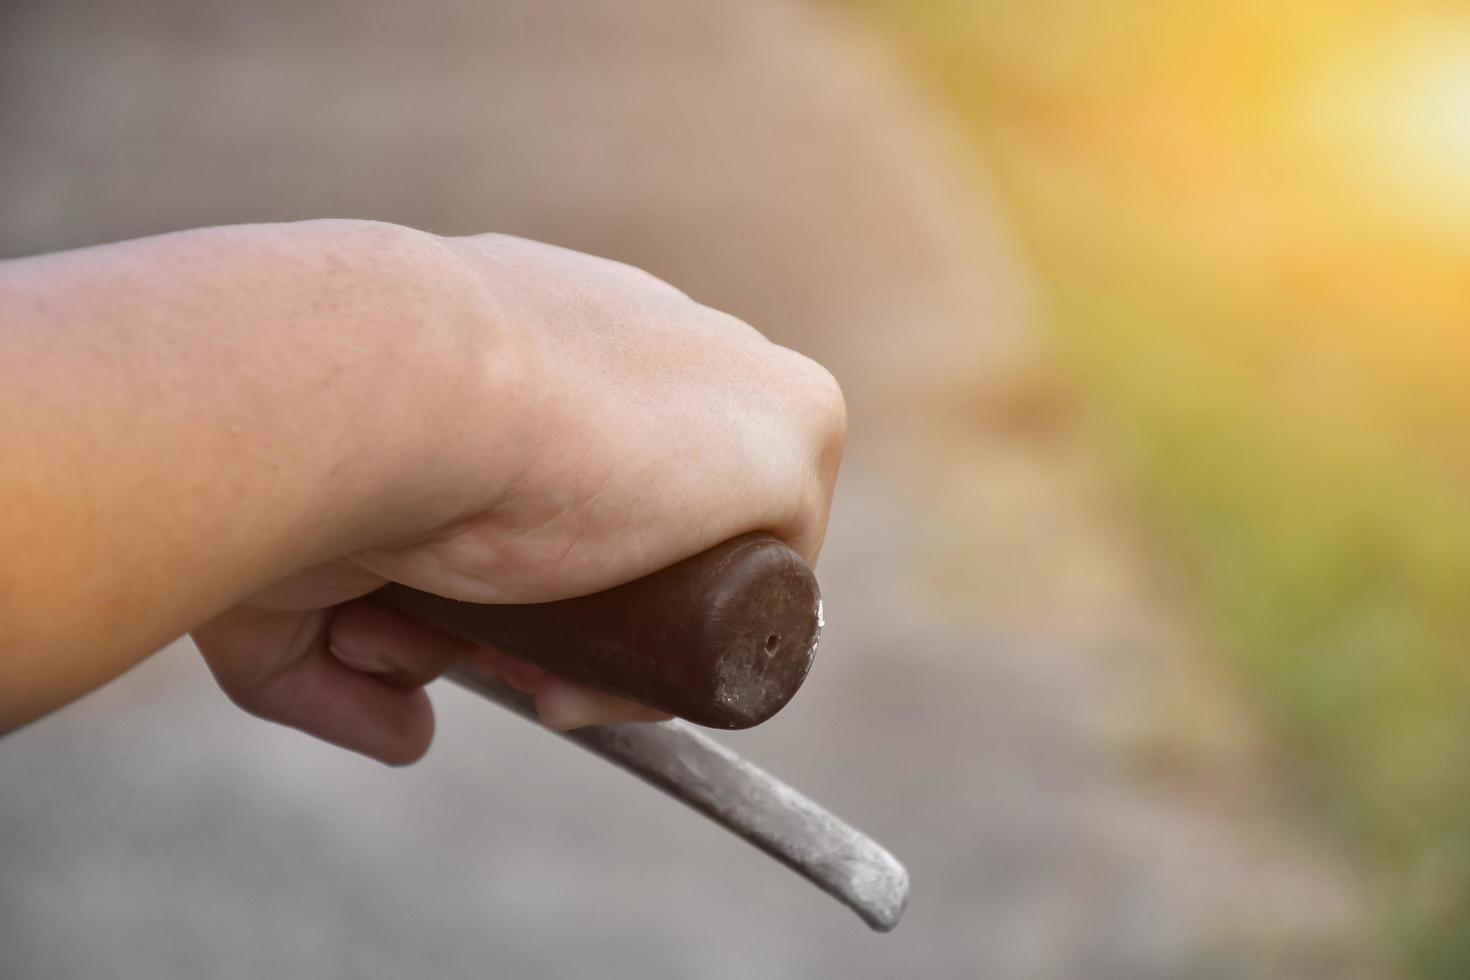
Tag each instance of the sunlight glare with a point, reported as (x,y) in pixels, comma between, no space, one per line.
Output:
(1395,120)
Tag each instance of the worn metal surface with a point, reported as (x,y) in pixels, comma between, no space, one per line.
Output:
(741,797)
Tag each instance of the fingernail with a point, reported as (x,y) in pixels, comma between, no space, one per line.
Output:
(359,663)
(524,677)
(565,706)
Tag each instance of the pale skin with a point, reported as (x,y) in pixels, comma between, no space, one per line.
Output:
(235,432)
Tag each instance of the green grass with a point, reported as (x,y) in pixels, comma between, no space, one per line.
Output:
(1329,563)
(1280,375)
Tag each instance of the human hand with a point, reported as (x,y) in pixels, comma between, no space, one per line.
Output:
(565,424)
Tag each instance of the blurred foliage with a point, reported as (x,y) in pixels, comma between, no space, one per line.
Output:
(1251,229)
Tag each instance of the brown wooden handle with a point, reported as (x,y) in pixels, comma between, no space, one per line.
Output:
(722,639)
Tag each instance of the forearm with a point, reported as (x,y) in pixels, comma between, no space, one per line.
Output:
(188,422)
(187,418)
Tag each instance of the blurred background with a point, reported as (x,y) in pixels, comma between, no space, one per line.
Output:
(1146,575)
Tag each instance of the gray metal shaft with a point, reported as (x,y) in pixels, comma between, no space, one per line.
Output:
(741,797)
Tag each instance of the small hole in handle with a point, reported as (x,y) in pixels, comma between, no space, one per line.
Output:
(772,643)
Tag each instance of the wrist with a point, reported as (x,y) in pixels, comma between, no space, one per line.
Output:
(428,383)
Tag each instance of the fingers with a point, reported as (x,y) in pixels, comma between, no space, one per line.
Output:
(406,654)
(278,666)
(820,406)
(324,697)
(354,677)
(564,705)
(397,651)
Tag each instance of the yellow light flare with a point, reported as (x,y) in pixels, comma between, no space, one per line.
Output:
(1393,119)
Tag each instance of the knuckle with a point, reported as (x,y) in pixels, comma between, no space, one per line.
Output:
(250,699)
(245,690)
(826,407)
(734,326)
(816,410)
(638,277)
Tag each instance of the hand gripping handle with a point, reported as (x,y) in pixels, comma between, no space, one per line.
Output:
(723,639)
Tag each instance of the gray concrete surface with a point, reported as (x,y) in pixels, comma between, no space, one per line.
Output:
(765,157)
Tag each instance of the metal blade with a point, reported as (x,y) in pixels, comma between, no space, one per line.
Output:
(701,773)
